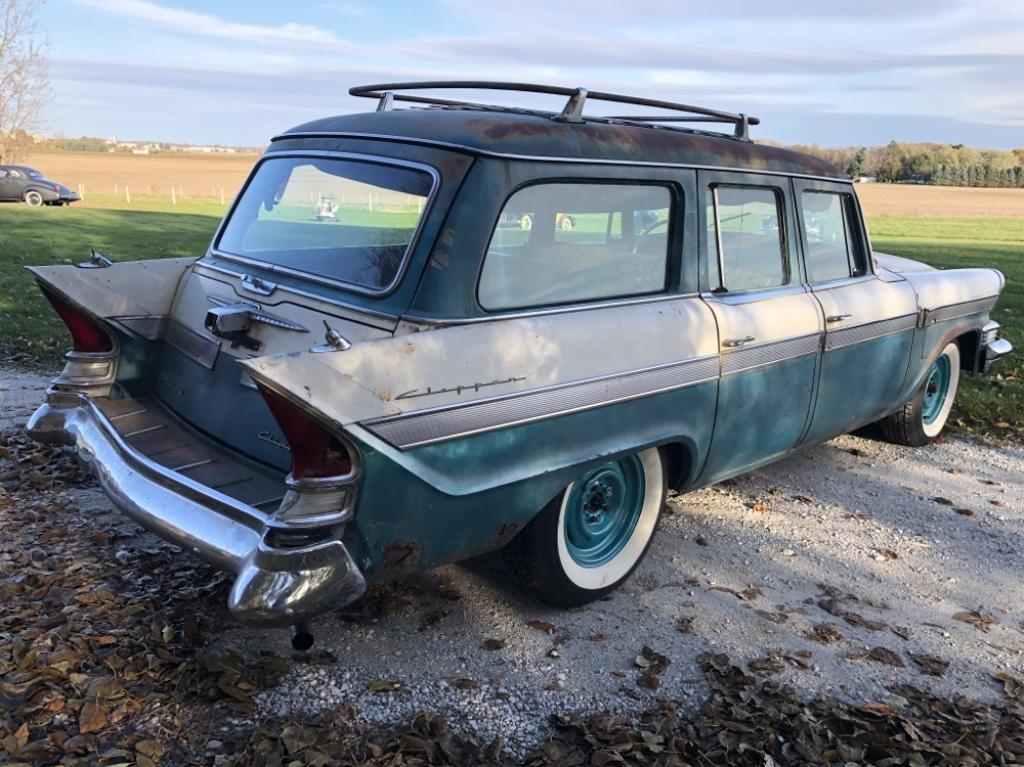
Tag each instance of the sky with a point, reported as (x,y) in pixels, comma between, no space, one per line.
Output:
(814,71)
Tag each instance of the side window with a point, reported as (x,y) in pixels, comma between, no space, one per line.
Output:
(561,242)
(745,237)
(15,174)
(832,252)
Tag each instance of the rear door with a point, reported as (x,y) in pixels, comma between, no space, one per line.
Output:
(869,323)
(7,186)
(769,325)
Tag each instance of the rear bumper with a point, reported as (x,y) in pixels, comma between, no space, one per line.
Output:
(274,586)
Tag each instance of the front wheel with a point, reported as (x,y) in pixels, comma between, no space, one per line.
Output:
(593,534)
(922,419)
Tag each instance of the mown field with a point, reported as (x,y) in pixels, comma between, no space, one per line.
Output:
(152,228)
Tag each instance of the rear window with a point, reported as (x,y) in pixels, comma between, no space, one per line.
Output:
(344,220)
(563,242)
(831,247)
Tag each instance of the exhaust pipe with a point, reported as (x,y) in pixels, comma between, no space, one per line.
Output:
(302,637)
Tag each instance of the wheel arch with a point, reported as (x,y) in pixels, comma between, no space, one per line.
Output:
(970,344)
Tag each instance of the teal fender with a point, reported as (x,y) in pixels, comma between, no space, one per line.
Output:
(449,501)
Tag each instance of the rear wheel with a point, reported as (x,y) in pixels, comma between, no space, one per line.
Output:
(33,198)
(592,535)
(922,419)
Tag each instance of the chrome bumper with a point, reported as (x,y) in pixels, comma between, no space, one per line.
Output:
(274,586)
(994,348)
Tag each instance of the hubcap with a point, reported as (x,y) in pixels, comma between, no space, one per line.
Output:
(935,389)
(602,511)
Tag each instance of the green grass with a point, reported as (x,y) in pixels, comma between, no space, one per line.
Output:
(990,406)
(152,228)
(29,329)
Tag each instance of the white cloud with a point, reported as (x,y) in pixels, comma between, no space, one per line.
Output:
(207,25)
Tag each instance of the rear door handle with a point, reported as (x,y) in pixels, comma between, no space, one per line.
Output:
(732,343)
(838,317)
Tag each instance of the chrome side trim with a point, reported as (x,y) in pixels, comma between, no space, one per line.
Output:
(425,427)
(159,327)
(868,331)
(954,311)
(428,207)
(770,353)
(543,158)
(514,315)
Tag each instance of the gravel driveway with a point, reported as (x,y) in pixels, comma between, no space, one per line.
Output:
(842,571)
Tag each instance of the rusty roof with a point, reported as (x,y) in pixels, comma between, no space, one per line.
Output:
(537,135)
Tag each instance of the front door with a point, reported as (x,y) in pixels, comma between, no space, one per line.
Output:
(869,322)
(769,325)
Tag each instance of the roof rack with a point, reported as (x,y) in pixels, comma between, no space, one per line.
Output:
(388,93)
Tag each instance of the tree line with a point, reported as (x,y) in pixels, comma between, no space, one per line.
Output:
(927,163)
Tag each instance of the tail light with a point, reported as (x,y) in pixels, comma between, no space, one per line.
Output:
(87,335)
(316,453)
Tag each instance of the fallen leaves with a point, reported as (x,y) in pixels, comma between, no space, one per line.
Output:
(825,633)
(99,661)
(541,625)
(878,655)
(653,664)
(977,618)
(92,718)
(930,665)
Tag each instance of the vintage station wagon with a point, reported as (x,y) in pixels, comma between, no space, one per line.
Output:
(320,402)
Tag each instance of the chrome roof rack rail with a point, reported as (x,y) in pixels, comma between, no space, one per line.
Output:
(388,93)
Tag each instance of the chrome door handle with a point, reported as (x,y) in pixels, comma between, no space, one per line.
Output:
(838,317)
(732,343)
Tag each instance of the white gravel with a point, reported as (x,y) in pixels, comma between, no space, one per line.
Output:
(826,521)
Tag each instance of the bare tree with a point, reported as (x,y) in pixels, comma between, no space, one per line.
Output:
(24,85)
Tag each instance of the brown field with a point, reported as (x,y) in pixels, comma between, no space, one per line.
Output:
(206,175)
(919,201)
(192,175)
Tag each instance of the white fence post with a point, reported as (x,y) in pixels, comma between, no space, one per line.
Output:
(127,195)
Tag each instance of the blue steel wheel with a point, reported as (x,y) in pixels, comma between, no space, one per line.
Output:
(592,535)
(602,509)
(922,418)
(936,387)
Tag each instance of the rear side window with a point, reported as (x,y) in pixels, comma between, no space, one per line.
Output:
(745,237)
(563,243)
(343,220)
(831,249)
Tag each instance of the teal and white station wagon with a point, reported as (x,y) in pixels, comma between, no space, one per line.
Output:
(428,333)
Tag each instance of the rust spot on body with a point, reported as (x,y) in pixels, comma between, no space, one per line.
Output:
(401,557)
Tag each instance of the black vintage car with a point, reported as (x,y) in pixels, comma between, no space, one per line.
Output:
(19,183)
